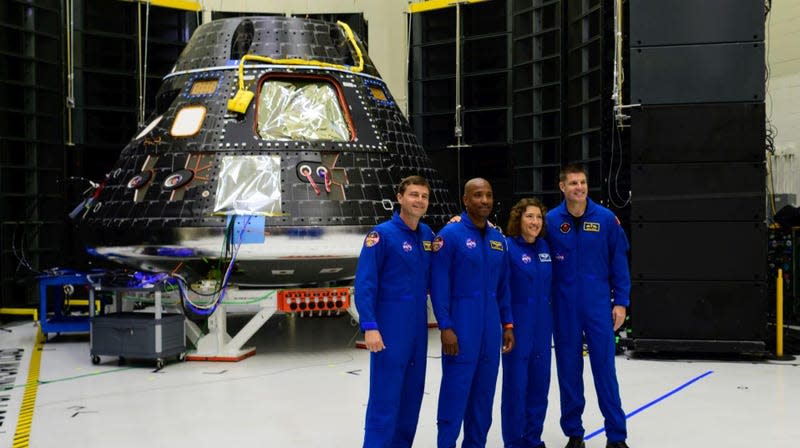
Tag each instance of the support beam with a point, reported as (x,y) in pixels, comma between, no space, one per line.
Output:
(430,5)
(186,5)
(217,344)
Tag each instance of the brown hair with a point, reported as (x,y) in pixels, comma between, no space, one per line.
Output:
(412,180)
(572,168)
(515,217)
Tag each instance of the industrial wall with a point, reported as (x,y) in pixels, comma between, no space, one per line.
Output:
(783,93)
(388,45)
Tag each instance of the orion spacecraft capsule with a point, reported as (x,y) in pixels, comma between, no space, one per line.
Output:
(276,129)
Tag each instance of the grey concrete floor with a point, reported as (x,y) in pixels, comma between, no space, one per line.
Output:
(307,387)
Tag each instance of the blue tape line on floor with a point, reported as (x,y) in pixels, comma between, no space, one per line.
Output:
(642,408)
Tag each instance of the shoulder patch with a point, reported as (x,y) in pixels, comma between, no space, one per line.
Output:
(496,245)
(437,244)
(564,227)
(591,226)
(372,239)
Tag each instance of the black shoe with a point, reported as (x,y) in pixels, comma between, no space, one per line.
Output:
(617,445)
(575,442)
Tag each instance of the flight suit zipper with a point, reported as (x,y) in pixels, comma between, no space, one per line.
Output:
(484,283)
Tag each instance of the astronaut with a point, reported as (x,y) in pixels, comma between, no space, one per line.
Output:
(471,300)
(391,290)
(526,369)
(591,288)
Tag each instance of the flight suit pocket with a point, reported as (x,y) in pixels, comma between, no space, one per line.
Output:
(396,319)
(466,316)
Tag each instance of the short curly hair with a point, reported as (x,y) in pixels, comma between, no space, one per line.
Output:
(515,217)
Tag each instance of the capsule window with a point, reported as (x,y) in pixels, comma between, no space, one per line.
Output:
(378,93)
(203,87)
(302,109)
(149,127)
(188,121)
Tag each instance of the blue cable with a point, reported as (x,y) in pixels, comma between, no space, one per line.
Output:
(206,312)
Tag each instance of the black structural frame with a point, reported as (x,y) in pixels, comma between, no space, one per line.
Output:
(698,145)
(43,166)
(539,94)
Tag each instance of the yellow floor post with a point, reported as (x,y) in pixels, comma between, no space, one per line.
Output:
(779,317)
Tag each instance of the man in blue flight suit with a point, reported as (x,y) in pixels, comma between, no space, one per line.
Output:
(391,295)
(591,289)
(471,299)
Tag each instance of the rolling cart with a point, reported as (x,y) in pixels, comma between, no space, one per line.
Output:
(53,299)
(136,335)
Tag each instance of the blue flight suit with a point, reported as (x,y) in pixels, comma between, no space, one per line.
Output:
(391,295)
(470,294)
(526,369)
(590,268)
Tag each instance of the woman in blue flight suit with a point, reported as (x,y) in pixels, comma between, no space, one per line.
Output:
(526,369)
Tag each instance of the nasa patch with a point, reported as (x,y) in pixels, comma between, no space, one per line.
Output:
(564,227)
(437,244)
(406,246)
(544,258)
(559,257)
(526,258)
(471,243)
(372,239)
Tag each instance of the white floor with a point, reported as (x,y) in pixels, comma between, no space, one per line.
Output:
(307,387)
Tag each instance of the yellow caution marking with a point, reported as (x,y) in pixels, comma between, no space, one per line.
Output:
(430,5)
(187,5)
(23,432)
(21,312)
